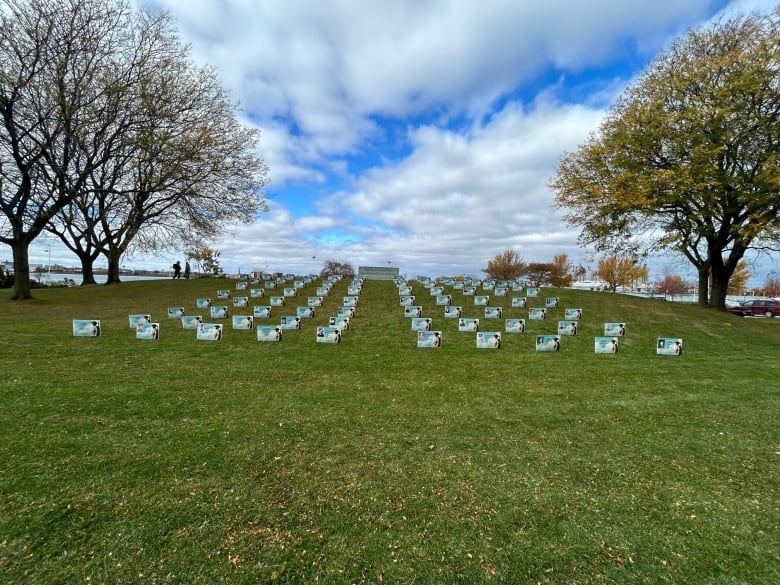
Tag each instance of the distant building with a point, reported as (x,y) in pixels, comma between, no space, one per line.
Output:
(377,272)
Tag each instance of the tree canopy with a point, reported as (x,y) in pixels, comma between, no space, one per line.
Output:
(112,138)
(688,159)
(506,265)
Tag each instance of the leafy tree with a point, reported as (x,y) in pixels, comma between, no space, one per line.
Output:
(688,158)
(538,273)
(332,267)
(562,272)
(206,260)
(507,265)
(739,279)
(617,272)
(59,78)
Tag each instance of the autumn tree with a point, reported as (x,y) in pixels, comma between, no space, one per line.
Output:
(688,158)
(620,272)
(562,271)
(772,285)
(671,284)
(332,268)
(739,279)
(538,273)
(507,265)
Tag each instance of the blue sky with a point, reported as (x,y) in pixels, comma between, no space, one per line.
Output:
(422,133)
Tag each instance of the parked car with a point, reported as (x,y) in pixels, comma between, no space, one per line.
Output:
(756,308)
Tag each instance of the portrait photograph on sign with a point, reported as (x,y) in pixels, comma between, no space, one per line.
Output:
(429,339)
(304,312)
(422,324)
(86,328)
(148,331)
(345,311)
(290,291)
(223,294)
(220,312)
(567,327)
(468,324)
(340,323)
(290,323)
(537,314)
(413,311)
(406,300)
(615,329)
(532,291)
(572,314)
(139,319)
(191,321)
(314,301)
(241,285)
(203,303)
(606,344)
(519,302)
(551,302)
(261,312)
(243,322)
(276,301)
(493,313)
(514,326)
(175,312)
(240,301)
(256,293)
(668,346)
(481,300)
(209,332)
(328,335)
(453,312)
(489,340)
(443,300)
(548,343)
(269,333)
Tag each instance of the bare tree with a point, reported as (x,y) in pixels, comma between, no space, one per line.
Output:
(187,168)
(58,79)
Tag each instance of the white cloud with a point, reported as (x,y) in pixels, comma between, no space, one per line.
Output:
(468,173)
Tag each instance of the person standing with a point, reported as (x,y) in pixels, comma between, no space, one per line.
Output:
(177,270)
(187,270)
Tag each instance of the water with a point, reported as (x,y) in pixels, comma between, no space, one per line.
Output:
(59,277)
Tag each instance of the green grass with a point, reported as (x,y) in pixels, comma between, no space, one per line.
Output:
(178,461)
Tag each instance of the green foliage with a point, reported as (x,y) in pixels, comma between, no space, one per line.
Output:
(206,260)
(688,159)
(177,461)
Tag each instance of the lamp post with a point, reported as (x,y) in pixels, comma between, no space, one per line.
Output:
(48,250)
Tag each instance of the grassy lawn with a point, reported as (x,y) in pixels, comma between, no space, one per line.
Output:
(184,461)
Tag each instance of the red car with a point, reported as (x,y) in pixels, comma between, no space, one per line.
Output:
(757,308)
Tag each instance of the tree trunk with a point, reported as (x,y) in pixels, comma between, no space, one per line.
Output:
(704,285)
(87,269)
(113,270)
(21,290)
(720,285)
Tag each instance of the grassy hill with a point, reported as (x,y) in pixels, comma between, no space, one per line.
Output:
(184,461)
